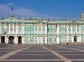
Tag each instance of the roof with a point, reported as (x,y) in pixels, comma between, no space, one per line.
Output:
(31,20)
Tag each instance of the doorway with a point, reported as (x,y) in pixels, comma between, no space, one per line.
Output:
(19,40)
(11,39)
(75,38)
(2,39)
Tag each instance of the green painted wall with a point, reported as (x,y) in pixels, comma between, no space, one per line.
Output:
(52,34)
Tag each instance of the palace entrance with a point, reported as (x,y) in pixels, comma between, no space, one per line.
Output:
(2,39)
(11,40)
(19,40)
(75,38)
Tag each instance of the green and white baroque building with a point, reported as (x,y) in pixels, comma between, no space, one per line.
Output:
(41,31)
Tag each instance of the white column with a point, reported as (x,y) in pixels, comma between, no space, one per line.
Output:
(58,40)
(41,29)
(71,31)
(23,29)
(58,34)
(40,39)
(9,29)
(72,38)
(5,25)
(0,39)
(13,29)
(67,29)
(67,33)
(67,38)
(76,29)
(16,29)
(23,40)
(80,32)
(6,39)
(79,39)
(45,29)
(45,40)
(37,30)
(16,39)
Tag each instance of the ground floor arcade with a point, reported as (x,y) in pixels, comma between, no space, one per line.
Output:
(12,39)
(20,39)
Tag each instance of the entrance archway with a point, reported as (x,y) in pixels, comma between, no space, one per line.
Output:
(2,39)
(11,39)
(75,38)
(19,40)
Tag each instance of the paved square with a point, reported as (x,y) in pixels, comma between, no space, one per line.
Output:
(42,53)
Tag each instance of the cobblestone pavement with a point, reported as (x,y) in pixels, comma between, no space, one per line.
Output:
(42,53)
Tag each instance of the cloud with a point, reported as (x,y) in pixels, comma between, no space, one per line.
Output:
(24,12)
(5,11)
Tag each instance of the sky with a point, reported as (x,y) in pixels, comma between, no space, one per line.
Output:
(56,9)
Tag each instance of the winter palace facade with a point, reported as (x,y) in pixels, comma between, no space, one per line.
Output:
(40,31)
